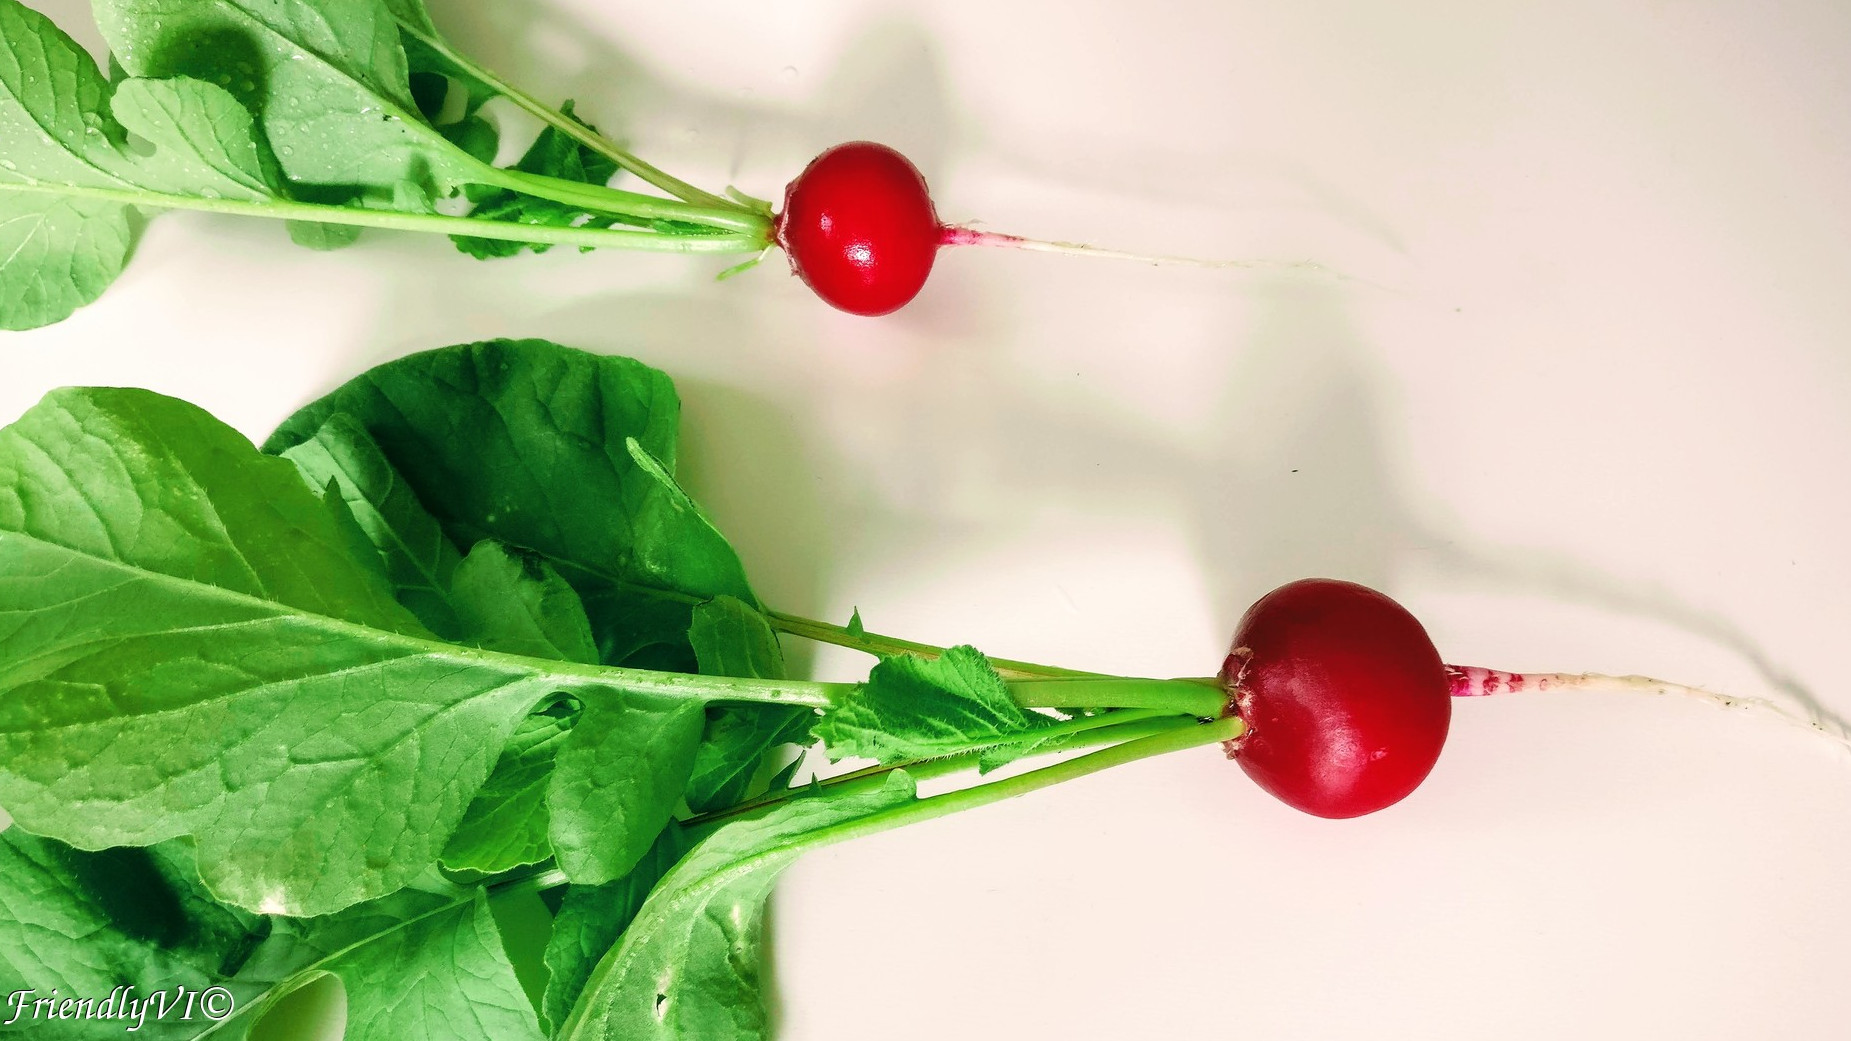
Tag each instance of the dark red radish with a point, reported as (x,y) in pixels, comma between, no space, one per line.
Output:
(1345,700)
(859,228)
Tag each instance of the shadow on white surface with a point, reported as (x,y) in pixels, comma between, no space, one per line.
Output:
(886,86)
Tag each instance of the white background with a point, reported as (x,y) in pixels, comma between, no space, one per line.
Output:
(1579,400)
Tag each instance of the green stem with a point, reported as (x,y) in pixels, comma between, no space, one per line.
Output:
(1126,729)
(882,646)
(1105,729)
(435,223)
(1202,698)
(600,199)
(565,125)
(1171,740)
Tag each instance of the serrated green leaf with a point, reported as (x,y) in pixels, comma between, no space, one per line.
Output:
(917,708)
(187,647)
(686,968)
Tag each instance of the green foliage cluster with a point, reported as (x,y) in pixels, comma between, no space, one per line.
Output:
(270,715)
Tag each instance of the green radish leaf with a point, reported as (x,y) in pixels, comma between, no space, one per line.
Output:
(188,647)
(414,965)
(62,135)
(916,708)
(420,560)
(322,237)
(732,638)
(204,140)
(54,120)
(591,918)
(412,13)
(56,255)
(555,155)
(87,923)
(677,973)
(327,78)
(512,600)
(416,28)
(474,135)
(524,441)
(737,759)
(617,782)
(505,827)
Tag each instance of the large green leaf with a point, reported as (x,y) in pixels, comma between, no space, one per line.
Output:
(687,966)
(187,646)
(86,923)
(327,79)
(526,442)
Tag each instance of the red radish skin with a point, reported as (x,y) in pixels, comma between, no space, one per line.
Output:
(1345,700)
(859,228)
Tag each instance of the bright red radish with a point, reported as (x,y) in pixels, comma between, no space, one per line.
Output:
(859,228)
(1346,701)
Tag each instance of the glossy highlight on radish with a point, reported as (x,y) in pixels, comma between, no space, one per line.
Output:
(1345,700)
(859,228)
